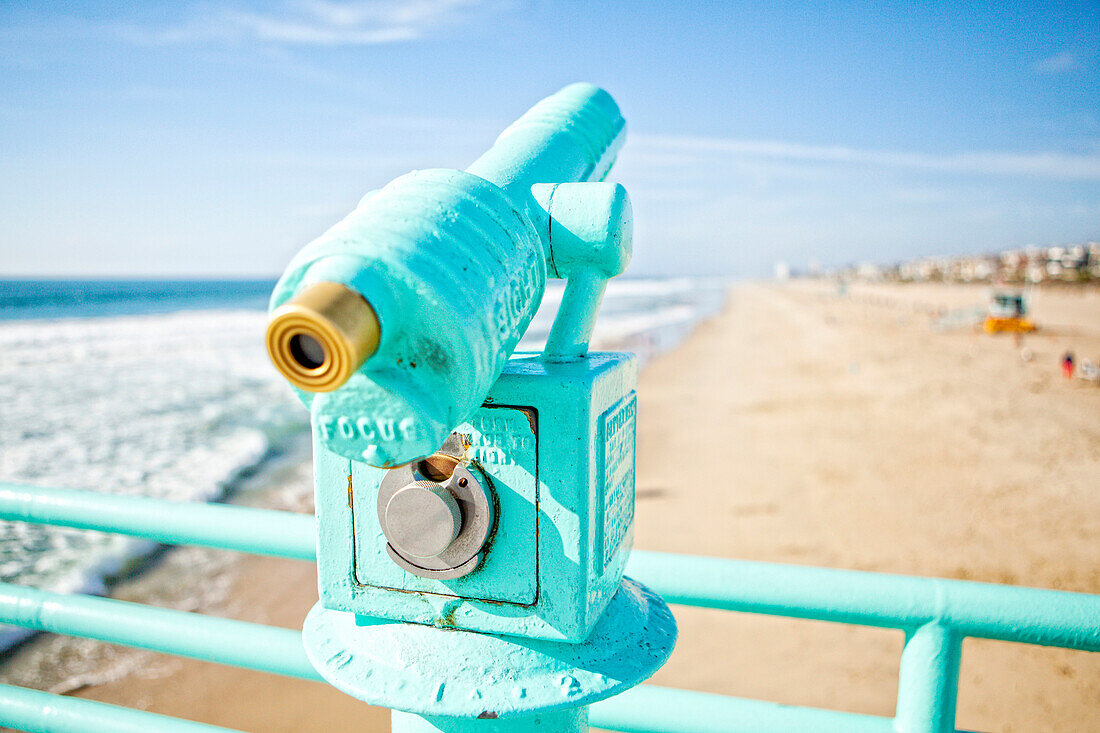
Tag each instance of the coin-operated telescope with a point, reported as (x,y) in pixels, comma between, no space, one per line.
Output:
(459,485)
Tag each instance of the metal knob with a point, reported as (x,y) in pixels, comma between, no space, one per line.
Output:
(436,515)
(422,519)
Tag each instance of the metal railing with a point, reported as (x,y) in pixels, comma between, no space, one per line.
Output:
(935,614)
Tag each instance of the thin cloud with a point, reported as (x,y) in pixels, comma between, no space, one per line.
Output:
(682,149)
(1057,63)
(320,22)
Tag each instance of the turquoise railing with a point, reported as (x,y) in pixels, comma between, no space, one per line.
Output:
(935,614)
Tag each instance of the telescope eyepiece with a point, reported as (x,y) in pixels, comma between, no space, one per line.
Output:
(321,336)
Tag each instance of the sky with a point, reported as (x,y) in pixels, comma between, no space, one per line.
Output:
(215,139)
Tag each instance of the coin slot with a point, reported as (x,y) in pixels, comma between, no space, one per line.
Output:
(436,467)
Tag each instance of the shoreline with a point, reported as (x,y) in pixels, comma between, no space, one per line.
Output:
(801,427)
(184,578)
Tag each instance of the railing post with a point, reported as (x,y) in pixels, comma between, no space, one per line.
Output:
(928,681)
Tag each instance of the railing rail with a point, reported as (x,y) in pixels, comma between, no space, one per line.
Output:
(982,610)
(279,651)
(226,527)
(185,634)
(936,614)
(32,710)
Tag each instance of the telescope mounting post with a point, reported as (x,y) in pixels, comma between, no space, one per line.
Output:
(475,506)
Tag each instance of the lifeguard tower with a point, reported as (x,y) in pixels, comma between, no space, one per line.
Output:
(1008,313)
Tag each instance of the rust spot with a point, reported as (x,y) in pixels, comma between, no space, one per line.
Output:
(447,619)
(532,418)
(350,504)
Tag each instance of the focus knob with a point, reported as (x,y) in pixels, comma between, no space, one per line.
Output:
(422,519)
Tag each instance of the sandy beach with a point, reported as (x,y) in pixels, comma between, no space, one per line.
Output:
(802,426)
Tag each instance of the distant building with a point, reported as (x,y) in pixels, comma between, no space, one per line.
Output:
(1031,264)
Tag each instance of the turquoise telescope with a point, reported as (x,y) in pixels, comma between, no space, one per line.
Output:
(459,484)
(394,324)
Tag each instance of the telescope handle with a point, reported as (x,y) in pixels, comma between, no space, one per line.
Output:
(590,235)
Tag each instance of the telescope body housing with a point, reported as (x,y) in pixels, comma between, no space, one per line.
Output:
(555,442)
(457,484)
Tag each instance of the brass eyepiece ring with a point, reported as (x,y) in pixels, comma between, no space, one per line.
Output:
(321,336)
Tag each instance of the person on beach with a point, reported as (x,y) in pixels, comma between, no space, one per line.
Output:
(1067,365)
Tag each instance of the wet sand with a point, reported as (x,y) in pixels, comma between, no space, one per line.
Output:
(805,427)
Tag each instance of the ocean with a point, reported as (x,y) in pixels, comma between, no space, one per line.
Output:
(163,388)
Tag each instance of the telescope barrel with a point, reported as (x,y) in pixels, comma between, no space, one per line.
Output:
(571,136)
(394,324)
